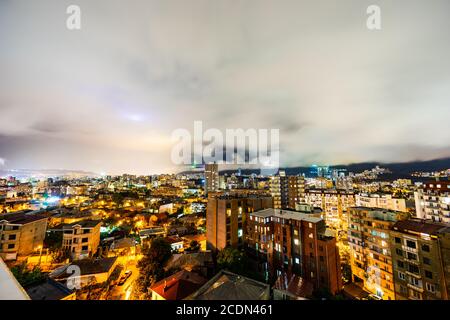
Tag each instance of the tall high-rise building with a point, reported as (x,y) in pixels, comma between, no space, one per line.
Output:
(370,252)
(433,201)
(226,217)
(211,177)
(287,191)
(421,259)
(295,243)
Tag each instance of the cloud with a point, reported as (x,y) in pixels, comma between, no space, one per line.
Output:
(107,97)
(2,162)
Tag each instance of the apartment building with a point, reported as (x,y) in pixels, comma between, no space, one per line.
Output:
(421,259)
(370,253)
(433,201)
(226,216)
(82,238)
(211,177)
(287,191)
(294,243)
(383,201)
(21,234)
(334,204)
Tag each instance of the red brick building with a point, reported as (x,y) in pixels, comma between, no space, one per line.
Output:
(292,242)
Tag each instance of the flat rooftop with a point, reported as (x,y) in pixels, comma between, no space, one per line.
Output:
(421,226)
(22,218)
(286,214)
(49,290)
(83,224)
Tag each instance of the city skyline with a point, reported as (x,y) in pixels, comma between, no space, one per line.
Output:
(106,98)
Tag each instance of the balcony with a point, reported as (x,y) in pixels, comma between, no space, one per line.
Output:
(409,249)
(414,287)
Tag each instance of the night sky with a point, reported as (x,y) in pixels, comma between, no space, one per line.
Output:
(106,98)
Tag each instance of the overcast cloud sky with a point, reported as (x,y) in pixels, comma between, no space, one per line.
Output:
(106,98)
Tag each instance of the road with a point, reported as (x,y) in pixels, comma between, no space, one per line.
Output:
(124,291)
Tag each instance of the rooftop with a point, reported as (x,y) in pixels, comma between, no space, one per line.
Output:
(179,285)
(88,266)
(21,218)
(83,224)
(230,286)
(421,226)
(287,214)
(50,290)
(295,286)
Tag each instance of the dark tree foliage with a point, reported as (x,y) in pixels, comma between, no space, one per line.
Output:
(194,246)
(27,277)
(53,240)
(151,266)
(233,260)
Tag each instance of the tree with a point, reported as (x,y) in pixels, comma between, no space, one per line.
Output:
(231,259)
(27,277)
(151,266)
(60,255)
(194,246)
(53,240)
(346,273)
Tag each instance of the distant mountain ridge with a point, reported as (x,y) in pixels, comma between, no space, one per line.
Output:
(398,169)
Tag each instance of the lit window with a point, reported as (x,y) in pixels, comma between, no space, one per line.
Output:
(297,260)
(296,242)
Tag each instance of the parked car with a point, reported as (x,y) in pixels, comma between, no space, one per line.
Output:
(124,277)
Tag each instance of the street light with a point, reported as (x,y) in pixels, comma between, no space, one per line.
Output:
(40,254)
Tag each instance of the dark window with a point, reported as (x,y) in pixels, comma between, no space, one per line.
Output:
(84,240)
(12,237)
(411,256)
(84,248)
(398,240)
(400,264)
(321,258)
(399,252)
(426,261)
(428,274)
(411,244)
(426,248)
(413,268)
(11,246)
